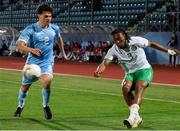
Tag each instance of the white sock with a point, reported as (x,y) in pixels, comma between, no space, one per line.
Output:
(134,108)
(22,98)
(46,96)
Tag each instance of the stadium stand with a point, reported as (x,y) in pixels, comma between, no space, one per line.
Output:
(93,20)
(124,13)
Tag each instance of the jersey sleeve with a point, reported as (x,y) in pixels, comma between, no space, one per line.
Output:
(25,36)
(109,54)
(142,42)
(57,30)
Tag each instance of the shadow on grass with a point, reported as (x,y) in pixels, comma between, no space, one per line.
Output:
(30,123)
(62,123)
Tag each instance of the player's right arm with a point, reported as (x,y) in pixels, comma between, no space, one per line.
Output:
(101,68)
(107,60)
(25,39)
(22,46)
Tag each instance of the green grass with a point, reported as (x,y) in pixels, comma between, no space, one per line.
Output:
(85,104)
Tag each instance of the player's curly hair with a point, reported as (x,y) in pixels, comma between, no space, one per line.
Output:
(44,7)
(120,30)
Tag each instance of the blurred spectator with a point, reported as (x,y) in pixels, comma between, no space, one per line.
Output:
(56,50)
(90,48)
(172,44)
(98,52)
(81,55)
(4,46)
(89,52)
(105,48)
(75,50)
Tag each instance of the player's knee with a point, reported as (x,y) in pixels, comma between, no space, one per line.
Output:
(25,88)
(126,88)
(46,81)
(46,84)
(142,84)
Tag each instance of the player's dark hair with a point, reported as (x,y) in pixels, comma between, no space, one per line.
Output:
(44,7)
(119,30)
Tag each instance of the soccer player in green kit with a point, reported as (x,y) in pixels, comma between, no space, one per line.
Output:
(138,71)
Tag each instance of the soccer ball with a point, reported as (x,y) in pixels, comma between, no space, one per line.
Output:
(32,72)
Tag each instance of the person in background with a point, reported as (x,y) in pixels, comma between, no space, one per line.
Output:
(172,44)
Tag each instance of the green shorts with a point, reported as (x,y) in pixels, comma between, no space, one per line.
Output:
(143,74)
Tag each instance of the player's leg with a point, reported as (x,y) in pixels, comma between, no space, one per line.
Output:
(45,80)
(129,98)
(134,109)
(127,93)
(23,92)
(144,77)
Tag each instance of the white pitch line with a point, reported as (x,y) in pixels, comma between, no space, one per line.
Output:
(102,93)
(58,74)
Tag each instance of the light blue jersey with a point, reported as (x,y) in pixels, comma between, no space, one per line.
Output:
(43,38)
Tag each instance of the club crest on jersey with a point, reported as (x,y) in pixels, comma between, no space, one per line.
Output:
(133,48)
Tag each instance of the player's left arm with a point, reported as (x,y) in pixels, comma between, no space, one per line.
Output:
(61,45)
(161,48)
(60,40)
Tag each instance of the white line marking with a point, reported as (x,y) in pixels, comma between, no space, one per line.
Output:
(58,74)
(100,93)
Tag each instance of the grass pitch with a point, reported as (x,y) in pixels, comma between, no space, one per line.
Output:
(80,103)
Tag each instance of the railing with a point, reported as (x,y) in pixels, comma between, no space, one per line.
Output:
(111,13)
(159,22)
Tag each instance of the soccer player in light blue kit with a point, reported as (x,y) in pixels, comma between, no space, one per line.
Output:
(37,40)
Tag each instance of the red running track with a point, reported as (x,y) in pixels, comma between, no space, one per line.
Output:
(162,74)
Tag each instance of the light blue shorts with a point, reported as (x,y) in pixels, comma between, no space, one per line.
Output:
(45,69)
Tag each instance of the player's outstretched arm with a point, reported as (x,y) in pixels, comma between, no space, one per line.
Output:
(22,46)
(162,48)
(101,68)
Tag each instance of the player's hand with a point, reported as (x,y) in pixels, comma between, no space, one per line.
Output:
(171,52)
(36,51)
(96,74)
(100,69)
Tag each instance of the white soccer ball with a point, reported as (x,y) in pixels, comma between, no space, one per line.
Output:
(32,72)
